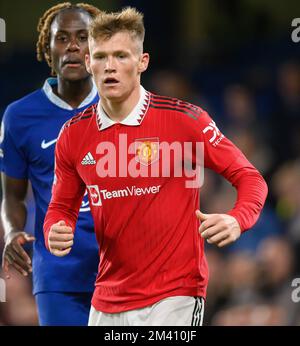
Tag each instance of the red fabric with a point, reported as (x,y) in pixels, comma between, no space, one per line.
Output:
(148,237)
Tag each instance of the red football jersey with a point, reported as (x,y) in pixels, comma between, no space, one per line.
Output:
(141,198)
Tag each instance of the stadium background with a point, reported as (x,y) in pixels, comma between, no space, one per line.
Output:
(237,60)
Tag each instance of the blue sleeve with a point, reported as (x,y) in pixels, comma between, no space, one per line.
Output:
(12,158)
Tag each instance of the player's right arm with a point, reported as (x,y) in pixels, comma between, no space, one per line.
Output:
(14,187)
(67,193)
(13,215)
(60,239)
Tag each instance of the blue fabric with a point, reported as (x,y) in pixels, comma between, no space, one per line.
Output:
(267,225)
(30,128)
(63,309)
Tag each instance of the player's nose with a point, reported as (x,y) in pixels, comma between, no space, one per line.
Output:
(73,45)
(110,65)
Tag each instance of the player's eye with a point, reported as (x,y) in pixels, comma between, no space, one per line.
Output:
(83,38)
(61,38)
(100,57)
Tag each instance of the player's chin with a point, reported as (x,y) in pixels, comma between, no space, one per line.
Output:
(113,95)
(75,75)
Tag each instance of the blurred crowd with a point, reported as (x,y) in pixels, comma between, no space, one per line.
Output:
(251,280)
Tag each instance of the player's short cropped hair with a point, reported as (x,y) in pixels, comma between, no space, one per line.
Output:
(105,25)
(44,26)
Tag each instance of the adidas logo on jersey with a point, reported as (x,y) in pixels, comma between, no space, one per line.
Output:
(88,160)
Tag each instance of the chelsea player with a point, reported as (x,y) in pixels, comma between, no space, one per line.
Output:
(30,127)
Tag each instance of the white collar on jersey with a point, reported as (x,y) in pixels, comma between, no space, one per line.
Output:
(47,87)
(135,118)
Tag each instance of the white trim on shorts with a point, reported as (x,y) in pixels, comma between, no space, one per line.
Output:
(198,313)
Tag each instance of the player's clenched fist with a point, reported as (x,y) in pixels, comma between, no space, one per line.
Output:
(218,229)
(60,239)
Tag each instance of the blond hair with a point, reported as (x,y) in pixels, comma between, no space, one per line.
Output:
(105,25)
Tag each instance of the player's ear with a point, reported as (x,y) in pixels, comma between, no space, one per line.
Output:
(88,63)
(144,62)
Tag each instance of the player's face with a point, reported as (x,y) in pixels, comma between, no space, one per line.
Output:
(69,44)
(116,65)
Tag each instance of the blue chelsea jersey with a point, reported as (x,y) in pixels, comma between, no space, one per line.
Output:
(29,131)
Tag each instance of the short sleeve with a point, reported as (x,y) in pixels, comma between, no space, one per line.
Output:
(12,158)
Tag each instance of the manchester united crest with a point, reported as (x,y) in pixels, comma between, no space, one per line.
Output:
(147,150)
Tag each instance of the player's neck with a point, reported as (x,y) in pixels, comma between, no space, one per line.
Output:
(73,93)
(118,110)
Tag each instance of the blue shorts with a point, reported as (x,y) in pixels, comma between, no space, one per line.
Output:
(63,308)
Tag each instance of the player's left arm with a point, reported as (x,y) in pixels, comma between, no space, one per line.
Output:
(222,156)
